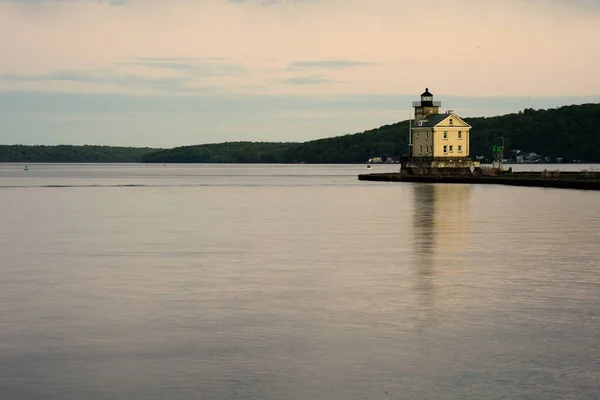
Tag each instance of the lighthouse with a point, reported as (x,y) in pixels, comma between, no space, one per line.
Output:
(439,142)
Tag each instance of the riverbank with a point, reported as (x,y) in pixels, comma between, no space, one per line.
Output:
(581,180)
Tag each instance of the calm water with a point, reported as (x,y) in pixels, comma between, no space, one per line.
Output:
(292,282)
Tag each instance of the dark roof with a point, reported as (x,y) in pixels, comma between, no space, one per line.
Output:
(434,119)
(426,93)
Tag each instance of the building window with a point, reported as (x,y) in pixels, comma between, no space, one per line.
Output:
(460,148)
(427,135)
(450,121)
(417,136)
(421,149)
(451,149)
(445,149)
(445,134)
(460,134)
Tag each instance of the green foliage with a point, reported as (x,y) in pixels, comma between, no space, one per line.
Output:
(570,132)
(76,154)
(229,152)
(389,141)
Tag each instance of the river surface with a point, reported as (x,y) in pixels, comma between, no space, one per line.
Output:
(293,282)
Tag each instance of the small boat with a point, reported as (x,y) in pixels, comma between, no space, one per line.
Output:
(368,166)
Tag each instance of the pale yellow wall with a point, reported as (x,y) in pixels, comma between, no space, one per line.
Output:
(452,142)
(422,142)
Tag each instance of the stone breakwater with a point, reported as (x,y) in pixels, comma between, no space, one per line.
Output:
(550,179)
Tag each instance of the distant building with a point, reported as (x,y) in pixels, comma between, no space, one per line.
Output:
(438,140)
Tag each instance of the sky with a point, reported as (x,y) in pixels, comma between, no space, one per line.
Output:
(166,73)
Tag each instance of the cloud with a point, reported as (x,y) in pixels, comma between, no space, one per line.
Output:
(176,84)
(123,2)
(271,2)
(109,2)
(181,59)
(583,3)
(198,66)
(166,74)
(308,80)
(316,39)
(330,64)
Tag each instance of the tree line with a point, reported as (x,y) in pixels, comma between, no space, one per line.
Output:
(568,133)
(74,154)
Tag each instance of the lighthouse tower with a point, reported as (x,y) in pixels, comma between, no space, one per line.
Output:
(426,107)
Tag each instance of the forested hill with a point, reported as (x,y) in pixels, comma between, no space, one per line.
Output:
(388,140)
(569,132)
(229,152)
(75,154)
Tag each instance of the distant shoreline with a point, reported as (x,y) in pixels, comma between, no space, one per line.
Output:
(269,163)
(563,135)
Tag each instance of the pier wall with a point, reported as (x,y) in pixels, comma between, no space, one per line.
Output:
(572,180)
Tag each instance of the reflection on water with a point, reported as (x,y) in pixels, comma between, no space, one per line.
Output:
(440,225)
(424,246)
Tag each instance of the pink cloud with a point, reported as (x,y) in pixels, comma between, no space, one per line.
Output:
(457,47)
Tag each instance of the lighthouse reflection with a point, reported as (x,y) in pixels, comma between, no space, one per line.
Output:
(440,224)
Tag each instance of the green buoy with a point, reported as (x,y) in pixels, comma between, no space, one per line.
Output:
(26,168)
